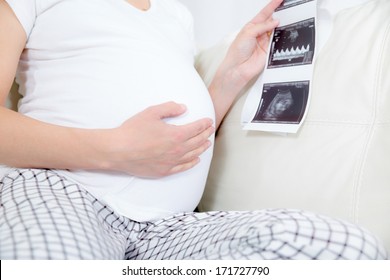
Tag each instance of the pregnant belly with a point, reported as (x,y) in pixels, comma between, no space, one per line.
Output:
(109,105)
(149,199)
(144,199)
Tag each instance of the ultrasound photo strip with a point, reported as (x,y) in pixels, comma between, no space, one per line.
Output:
(279,99)
(293,44)
(290,3)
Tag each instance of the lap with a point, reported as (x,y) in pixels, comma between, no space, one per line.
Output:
(45,216)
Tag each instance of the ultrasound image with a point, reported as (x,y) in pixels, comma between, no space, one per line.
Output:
(293,44)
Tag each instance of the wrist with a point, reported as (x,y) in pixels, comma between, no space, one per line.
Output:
(228,79)
(96,148)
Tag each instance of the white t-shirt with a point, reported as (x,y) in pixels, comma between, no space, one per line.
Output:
(94,64)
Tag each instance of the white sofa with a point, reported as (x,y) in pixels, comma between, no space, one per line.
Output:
(339,162)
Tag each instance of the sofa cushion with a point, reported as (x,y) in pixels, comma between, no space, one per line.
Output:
(338,163)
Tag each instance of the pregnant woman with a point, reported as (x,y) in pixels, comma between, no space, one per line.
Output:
(108,154)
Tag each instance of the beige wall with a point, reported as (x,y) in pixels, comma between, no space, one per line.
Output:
(214,19)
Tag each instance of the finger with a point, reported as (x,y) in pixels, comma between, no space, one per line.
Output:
(168,110)
(194,147)
(267,11)
(199,140)
(184,166)
(193,154)
(256,30)
(196,128)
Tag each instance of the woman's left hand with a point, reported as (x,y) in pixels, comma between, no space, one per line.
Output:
(245,59)
(247,54)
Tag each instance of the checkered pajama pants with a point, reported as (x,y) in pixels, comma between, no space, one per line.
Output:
(45,216)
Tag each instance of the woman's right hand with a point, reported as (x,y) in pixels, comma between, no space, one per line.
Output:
(146,146)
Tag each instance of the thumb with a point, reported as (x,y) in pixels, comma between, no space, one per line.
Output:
(259,29)
(168,110)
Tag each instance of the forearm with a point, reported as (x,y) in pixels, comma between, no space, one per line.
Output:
(28,143)
(224,90)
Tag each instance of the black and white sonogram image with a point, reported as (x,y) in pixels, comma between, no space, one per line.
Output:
(293,44)
(283,103)
(290,3)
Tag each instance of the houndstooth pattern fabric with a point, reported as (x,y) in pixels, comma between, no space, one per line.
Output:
(45,216)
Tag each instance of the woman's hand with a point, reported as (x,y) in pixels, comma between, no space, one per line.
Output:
(244,60)
(247,54)
(146,146)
